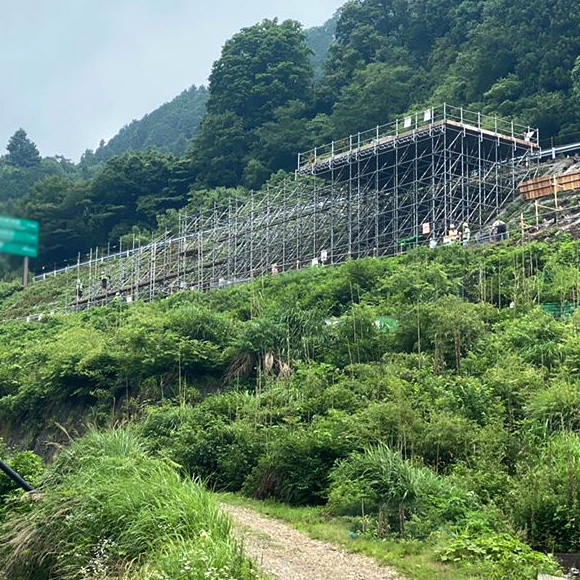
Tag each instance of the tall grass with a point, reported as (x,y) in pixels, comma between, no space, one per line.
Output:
(108,510)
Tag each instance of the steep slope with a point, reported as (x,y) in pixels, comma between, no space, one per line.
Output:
(168,128)
(449,429)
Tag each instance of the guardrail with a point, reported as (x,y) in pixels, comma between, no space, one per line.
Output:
(553,152)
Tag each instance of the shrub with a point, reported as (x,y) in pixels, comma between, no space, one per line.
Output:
(546,500)
(296,465)
(106,507)
(508,558)
(447,438)
(221,454)
(380,482)
(556,408)
(28,465)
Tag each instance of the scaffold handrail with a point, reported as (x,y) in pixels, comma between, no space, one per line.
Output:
(103,259)
(414,121)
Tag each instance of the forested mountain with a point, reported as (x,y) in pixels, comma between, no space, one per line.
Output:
(168,128)
(319,39)
(266,101)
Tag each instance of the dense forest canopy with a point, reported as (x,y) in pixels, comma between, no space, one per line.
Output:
(278,89)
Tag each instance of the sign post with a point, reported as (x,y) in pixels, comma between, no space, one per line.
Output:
(19,238)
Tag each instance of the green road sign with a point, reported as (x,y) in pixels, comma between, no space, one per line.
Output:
(18,249)
(8,223)
(18,237)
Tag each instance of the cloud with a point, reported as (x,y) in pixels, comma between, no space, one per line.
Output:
(75,71)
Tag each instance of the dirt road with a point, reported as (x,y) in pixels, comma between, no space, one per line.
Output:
(287,554)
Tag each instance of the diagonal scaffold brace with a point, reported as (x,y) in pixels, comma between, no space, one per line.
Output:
(15,477)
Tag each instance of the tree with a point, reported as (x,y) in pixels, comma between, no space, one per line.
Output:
(377,93)
(281,138)
(22,152)
(65,210)
(220,151)
(576,78)
(133,188)
(367,31)
(261,68)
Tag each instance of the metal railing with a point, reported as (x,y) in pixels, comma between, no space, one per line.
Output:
(415,121)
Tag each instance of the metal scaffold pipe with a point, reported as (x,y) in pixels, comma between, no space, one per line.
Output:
(15,477)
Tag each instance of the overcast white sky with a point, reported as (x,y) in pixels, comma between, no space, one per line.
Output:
(73,72)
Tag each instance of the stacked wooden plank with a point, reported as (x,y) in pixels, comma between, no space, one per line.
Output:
(550,185)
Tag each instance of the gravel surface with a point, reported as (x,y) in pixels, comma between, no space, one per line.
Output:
(287,554)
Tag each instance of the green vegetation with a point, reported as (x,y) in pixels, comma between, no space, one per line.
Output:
(415,559)
(168,129)
(319,39)
(449,435)
(106,509)
(453,431)
(28,465)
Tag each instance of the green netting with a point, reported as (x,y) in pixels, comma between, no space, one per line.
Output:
(558,309)
(386,322)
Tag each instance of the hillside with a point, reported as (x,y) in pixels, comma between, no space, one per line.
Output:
(168,128)
(319,39)
(421,409)
(470,396)
(277,100)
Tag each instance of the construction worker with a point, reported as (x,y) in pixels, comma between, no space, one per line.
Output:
(465,234)
(79,289)
(104,281)
(453,235)
(499,230)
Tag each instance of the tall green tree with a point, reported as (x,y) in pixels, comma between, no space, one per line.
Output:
(378,93)
(22,152)
(220,150)
(261,68)
(263,71)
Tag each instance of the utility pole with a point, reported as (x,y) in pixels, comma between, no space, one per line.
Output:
(15,477)
(25,272)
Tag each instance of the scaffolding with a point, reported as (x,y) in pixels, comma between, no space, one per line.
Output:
(376,193)
(430,171)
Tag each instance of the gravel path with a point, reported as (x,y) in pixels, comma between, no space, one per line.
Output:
(287,554)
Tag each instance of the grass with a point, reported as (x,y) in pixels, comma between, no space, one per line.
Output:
(107,510)
(412,559)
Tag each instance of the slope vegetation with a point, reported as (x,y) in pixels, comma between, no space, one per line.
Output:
(168,128)
(429,397)
(105,509)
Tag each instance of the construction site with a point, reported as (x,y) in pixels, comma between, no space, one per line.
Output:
(377,193)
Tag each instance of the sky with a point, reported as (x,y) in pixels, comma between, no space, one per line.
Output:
(73,72)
